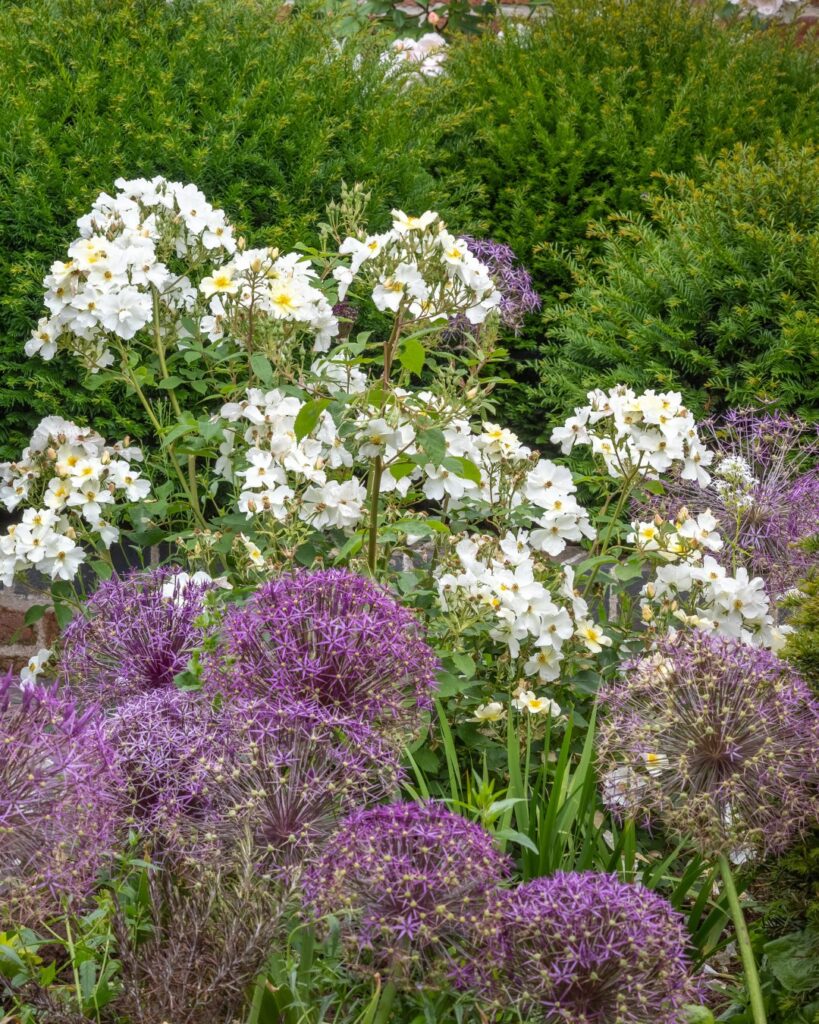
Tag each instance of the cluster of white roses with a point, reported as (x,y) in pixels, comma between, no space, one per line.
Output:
(118,266)
(419,270)
(424,56)
(735,483)
(261,281)
(481,466)
(646,433)
(67,475)
(499,579)
(736,606)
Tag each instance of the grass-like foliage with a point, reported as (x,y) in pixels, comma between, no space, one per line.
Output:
(716,293)
(259,108)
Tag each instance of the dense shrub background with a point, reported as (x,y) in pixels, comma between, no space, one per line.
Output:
(525,141)
(258,110)
(573,125)
(716,294)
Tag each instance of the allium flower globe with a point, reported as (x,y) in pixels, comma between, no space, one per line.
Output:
(174,752)
(297,778)
(589,949)
(717,740)
(331,641)
(138,632)
(409,884)
(57,814)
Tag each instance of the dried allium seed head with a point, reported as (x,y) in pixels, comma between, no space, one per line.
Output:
(333,642)
(57,812)
(716,739)
(589,949)
(138,633)
(409,883)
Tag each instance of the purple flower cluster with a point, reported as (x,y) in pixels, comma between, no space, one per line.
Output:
(518,295)
(764,493)
(716,739)
(409,883)
(57,818)
(330,643)
(589,949)
(298,776)
(137,634)
(174,752)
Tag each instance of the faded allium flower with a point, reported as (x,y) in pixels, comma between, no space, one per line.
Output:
(764,493)
(589,949)
(331,643)
(409,883)
(715,738)
(513,281)
(297,778)
(139,631)
(57,815)
(174,752)
(212,925)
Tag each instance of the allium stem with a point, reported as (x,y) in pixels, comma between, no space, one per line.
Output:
(388,994)
(744,942)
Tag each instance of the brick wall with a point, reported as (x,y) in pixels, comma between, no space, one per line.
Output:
(17,641)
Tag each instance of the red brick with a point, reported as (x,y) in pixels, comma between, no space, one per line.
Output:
(13,629)
(12,663)
(50,629)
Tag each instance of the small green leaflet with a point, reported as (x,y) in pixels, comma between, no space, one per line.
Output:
(308,416)
(412,355)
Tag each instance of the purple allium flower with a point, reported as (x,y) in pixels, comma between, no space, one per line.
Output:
(138,632)
(715,738)
(298,777)
(333,642)
(409,883)
(589,949)
(513,281)
(174,752)
(764,493)
(57,813)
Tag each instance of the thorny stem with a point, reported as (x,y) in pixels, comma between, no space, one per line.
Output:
(625,493)
(378,465)
(746,951)
(193,487)
(171,455)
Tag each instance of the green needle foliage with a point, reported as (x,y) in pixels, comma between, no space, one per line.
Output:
(717,293)
(571,122)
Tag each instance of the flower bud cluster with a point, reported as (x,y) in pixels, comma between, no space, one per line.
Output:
(67,475)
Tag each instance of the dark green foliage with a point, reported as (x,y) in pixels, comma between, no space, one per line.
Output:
(572,125)
(802,648)
(717,294)
(255,108)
